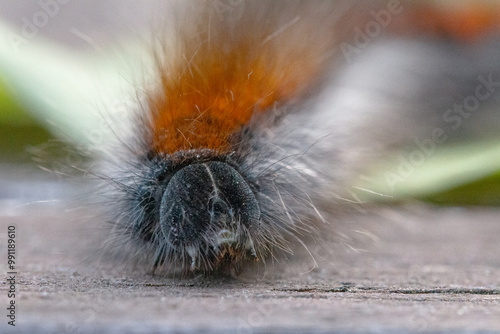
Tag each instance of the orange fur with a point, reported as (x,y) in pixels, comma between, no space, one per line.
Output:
(226,72)
(465,22)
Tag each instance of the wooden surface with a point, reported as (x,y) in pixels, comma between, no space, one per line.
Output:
(410,269)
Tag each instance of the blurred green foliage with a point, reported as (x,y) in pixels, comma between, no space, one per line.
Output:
(483,192)
(18,130)
(10,111)
(465,173)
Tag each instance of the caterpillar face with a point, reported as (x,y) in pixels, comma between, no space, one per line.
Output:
(200,207)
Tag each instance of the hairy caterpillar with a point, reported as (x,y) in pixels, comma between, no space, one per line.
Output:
(252,132)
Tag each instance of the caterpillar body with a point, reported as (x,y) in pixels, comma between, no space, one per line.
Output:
(246,141)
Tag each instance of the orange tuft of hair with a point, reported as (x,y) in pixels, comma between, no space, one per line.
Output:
(225,71)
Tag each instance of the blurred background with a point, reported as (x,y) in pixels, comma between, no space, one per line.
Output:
(64,71)
(58,63)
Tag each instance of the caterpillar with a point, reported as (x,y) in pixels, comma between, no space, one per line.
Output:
(244,145)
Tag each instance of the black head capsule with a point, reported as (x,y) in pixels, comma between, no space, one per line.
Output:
(207,209)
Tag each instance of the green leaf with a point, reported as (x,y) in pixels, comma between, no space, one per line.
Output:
(11,113)
(482,192)
(444,176)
